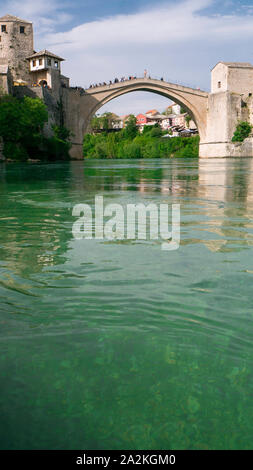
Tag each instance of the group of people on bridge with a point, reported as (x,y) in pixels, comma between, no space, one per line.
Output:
(119,80)
(116,80)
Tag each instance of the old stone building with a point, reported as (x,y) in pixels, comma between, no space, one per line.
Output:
(25,72)
(21,65)
(230,101)
(16,44)
(45,70)
(235,77)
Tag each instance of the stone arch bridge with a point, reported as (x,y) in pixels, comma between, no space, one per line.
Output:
(216,114)
(81,107)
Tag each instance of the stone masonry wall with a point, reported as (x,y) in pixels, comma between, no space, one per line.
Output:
(225,110)
(15,47)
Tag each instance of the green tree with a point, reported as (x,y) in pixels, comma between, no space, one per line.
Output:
(156,132)
(10,119)
(187,119)
(131,129)
(21,124)
(147,129)
(103,122)
(95,123)
(109,118)
(21,128)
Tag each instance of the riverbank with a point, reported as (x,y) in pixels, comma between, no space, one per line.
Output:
(149,144)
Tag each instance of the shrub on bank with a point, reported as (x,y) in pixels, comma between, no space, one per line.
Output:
(15,152)
(243,130)
(116,145)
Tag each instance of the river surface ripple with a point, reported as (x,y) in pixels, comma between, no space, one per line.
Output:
(118,344)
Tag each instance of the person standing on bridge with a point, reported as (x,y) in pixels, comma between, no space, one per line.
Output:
(145,73)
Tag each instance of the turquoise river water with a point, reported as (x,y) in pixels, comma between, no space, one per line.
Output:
(118,344)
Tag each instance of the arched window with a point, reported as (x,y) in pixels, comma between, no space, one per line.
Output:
(43,83)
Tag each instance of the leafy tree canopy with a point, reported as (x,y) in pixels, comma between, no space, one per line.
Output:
(21,128)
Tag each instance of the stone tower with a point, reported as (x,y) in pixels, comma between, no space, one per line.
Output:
(16,44)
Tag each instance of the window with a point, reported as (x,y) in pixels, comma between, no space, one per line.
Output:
(40,61)
(22,29)
(49,62)
(219,84)
(3,28)
(56,64)
(34,63)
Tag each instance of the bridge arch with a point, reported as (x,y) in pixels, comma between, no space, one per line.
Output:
(195,112)
(85,106)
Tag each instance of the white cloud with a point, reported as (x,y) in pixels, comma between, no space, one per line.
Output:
(171,24)
(176,23)
(46,14)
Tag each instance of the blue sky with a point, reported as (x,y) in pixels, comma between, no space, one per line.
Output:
(100,40)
